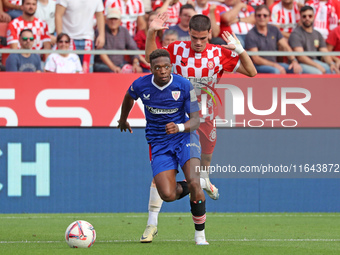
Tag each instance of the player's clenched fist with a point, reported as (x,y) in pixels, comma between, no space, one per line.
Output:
(171,128)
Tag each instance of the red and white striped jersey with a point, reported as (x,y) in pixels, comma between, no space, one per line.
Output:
(326,16)
(173,12)
(253,2)
(206,12)
(38,27)
(16,2)
(286,19)
(257,2)
(130,10)
(241,28)
(203,69)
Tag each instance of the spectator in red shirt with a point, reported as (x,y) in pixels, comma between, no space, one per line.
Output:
(326,13)
(171,7)
(285,16)
(140,39)
(132,14)
(28,20)
(238,18)
(333,44)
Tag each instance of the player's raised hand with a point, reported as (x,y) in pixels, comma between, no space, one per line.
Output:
(123,126)
(158,22)
(171,128)
(233,42)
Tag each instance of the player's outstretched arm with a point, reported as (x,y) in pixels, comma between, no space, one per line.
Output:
(192,124)
(126,108)
(247,66)
(156,24)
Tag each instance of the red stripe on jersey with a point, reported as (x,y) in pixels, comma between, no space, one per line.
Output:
(150,153)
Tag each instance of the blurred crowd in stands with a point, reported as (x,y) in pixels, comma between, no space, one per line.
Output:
(260,25)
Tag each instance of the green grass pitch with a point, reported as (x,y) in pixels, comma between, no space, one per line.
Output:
(228,233)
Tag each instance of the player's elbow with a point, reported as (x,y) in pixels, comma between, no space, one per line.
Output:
(253,73)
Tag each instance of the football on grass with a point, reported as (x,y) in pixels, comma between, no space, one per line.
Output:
(80,234)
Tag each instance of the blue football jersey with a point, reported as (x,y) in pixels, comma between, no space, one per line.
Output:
(169,103)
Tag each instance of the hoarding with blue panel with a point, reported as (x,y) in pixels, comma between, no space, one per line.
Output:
(103,170)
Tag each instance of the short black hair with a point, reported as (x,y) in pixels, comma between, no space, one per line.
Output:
(199,23)
(186,6)
(23,1)
(25,30)
(159,53)
(61,36)
(262,6)
(306,8)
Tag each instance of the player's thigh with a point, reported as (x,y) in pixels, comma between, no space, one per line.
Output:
(166,184)
(191,170)
(207,136)
(206,159)
(189,157)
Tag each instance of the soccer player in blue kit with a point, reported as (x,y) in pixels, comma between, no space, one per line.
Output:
(171,112)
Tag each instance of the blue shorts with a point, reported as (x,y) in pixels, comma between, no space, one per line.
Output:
(176,151)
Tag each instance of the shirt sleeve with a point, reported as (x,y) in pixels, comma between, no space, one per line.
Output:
(132,91)
(294,40)
(11,63)
(230,60)
(100,6)
(322,41)
(191,104)
(278,33)
(45,37)
(331,39)
(62,2)
(12,36)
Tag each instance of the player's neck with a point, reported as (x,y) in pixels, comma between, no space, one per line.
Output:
(183,27)
(26,55)
(262,29)
(308,29)
(27,17)
(202,6)
(114,31)
(43,2)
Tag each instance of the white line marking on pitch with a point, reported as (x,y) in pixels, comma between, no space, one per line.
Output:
(176,240)
(168,216)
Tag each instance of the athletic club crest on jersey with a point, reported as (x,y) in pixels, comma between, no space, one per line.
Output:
(176,94)
(211,65)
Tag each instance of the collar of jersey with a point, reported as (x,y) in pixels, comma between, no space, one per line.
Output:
(163,87)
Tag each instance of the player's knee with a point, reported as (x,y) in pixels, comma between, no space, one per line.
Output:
(194,186)
(168,196)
